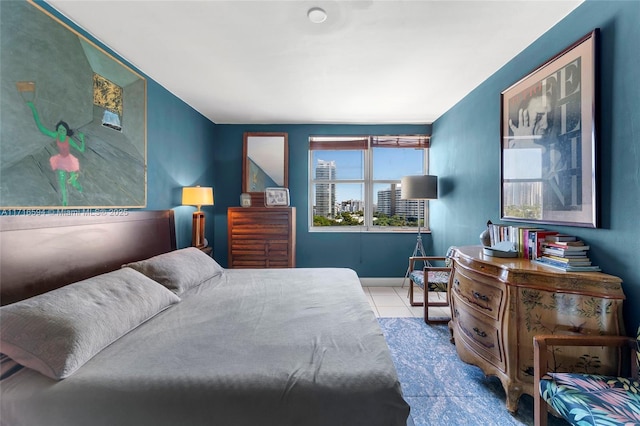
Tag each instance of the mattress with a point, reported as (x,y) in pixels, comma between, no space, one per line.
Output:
(249,347)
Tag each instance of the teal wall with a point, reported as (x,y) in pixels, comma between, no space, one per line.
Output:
(180,144)
(369,254)
(184,148)
(465,150)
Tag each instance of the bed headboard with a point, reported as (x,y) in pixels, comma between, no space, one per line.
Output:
(41,253)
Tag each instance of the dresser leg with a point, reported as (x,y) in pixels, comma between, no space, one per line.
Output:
(513,395)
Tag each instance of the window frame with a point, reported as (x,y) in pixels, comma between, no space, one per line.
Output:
(367,181)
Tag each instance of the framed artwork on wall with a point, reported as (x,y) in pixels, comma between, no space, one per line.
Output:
(276,197)
(73,124)
(548,141)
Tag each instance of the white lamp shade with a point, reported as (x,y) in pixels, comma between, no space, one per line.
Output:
(197,196)
(419,187)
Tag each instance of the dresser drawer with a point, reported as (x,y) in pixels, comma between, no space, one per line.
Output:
(259,262)
(265,249)
(253,217)
(261,237)
(482,267)
(484,298)
(260,246)
(277,250)
(259,232)
(481,335)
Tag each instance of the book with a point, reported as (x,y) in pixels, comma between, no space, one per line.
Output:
(515,236)
(564,253)
(526,238)
(567,268)
(536,238)
(507,233)
(592,268)
(541,261)
(566,256)
(567,243)
(566,261)
(561,237)
(550,259)
(566,247)
(523,236)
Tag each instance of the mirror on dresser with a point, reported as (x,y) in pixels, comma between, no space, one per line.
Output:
(265,164)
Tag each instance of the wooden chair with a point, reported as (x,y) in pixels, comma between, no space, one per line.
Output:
(437,282)
(588,399)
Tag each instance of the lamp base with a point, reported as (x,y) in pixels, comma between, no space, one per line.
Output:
(417,251)
(197,234)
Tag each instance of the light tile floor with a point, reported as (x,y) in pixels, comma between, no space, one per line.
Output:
(394,302)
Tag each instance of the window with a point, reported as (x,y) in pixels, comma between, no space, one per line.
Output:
(354,182)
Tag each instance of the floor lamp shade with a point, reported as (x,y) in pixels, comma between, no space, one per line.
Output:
(419,187)
(197,196)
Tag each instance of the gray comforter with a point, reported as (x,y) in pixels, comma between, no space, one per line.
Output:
(251,347)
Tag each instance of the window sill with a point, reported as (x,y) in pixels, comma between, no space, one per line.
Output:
(362,230)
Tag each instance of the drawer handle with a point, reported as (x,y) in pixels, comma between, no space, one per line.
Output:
(479,332)
(479,296)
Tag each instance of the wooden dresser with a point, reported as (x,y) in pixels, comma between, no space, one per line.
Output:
(262,237)
(499,304)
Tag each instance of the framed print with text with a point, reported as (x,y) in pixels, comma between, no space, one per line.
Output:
(548,141)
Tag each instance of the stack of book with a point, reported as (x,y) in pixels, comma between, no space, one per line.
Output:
(526,239)
(566,252)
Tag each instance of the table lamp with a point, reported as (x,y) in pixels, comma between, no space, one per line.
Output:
(197,196)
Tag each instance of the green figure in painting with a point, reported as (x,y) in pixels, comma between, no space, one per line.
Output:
(65,164)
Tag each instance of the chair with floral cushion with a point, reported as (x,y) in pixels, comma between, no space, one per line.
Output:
(437,269)
(588,399)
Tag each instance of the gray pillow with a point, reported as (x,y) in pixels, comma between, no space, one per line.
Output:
(57,332)
(179,270)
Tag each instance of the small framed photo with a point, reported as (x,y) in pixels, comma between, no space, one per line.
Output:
(276,197)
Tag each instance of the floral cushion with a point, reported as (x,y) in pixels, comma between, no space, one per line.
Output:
(438,280)
(586,399)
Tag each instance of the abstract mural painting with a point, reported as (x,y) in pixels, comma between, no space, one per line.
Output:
(72,121)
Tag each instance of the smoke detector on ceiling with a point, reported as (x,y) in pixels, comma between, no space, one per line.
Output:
(317,15)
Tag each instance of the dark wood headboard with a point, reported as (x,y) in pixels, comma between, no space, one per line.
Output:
(41,253)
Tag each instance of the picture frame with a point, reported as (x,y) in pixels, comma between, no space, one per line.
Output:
(73,132)
(276,197)
(548,141)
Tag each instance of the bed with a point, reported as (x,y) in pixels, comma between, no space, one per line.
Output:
(181,340)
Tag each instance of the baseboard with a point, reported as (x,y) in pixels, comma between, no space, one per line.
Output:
(383,282)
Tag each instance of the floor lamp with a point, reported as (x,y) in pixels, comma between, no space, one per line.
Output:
(419,187)
(197,196)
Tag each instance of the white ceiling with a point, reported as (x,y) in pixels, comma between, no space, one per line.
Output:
(371,61)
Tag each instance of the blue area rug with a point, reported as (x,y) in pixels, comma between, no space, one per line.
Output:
(440,388)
